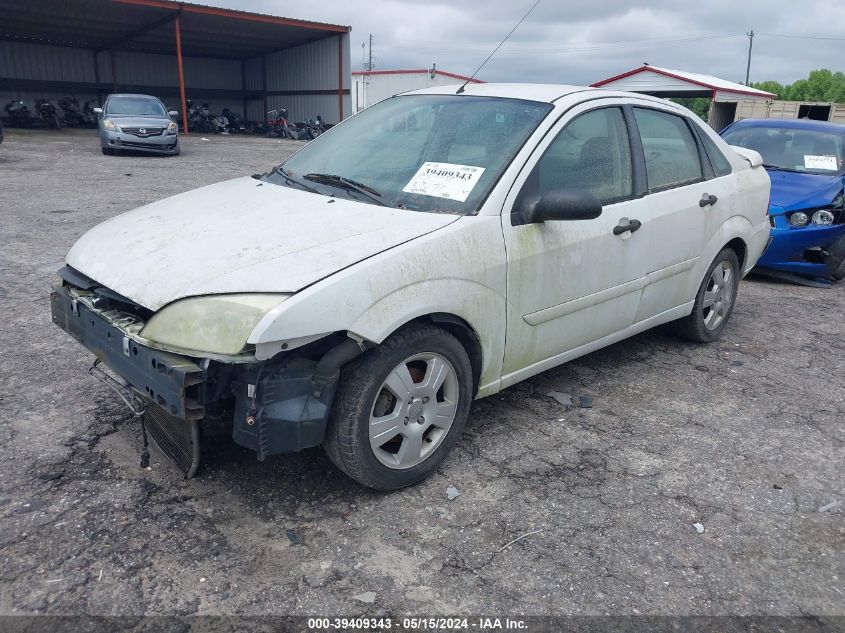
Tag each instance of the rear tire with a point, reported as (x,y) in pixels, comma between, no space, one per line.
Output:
(714,301)
(385,436)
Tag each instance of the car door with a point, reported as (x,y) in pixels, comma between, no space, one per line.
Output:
(570,283)
(685,205)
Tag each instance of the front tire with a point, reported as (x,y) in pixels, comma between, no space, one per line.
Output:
(714,301)
(400,408)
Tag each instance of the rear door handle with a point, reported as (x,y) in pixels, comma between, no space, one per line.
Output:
(632,226)
(707,198)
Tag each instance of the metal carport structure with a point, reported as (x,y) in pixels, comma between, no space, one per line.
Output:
(252,61)
(670,83)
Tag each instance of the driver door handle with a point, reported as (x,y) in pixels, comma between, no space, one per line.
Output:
(632,226)
(707,199)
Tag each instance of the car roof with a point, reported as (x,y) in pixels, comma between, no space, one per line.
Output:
(547,93)
(133,95)
(795,124)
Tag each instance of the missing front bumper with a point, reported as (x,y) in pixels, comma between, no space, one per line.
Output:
(277,406)
(168,380)
(164,388)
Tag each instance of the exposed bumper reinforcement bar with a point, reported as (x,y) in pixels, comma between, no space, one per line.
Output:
(159,377)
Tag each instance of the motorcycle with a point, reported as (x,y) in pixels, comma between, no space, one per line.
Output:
(72,114)
(316,127)
(200,117)
(47,112)
(236,124)
(221,123)
(279,126)
(88,114)
(18,114)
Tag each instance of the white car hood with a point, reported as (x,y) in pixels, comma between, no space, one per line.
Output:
(239,236)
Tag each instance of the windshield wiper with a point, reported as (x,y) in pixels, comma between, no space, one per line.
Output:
(347,183)
(779,168)
(288,178)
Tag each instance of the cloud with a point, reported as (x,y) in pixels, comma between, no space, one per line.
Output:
(583,42)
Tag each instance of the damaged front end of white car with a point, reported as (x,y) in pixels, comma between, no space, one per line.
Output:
(190,362)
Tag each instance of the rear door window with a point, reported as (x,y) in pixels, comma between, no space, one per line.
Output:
(671,153)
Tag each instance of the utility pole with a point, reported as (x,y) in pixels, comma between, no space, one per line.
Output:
(750,35)
(363,56)
(370,63)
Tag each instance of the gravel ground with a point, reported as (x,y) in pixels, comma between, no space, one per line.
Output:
(744,437)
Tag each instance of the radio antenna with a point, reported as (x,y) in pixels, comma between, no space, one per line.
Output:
(461,89)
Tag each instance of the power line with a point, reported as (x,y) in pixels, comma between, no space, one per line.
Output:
(607,42)
(599,46)
(804,37)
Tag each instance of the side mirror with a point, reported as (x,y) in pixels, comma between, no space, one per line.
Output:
(98,110)
(563,204)
(173,113)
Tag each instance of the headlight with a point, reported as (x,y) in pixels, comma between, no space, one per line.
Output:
(799,218)
(172,128)
(111,127)
(823,218)
(219,324)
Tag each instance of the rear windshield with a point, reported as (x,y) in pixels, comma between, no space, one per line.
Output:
(135,106)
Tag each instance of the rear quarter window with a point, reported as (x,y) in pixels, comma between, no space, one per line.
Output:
(721,165)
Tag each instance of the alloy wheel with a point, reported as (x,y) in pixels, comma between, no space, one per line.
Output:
(719,295)
(413,410)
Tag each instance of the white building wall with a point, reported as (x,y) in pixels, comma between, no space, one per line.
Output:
(652,82)
(726,95)
(368,90)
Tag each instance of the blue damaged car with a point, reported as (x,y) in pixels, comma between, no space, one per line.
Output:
(806,163)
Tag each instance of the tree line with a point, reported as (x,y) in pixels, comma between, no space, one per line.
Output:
(820,85)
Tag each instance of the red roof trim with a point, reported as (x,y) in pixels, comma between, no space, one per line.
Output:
(417,71)
(674,76)
(237,15)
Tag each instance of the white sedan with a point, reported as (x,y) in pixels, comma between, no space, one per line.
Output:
(435,248)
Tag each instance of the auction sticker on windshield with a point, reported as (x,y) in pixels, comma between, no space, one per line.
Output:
(444,180)
(820,162)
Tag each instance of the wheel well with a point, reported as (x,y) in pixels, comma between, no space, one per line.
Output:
(738,247)
(466,336)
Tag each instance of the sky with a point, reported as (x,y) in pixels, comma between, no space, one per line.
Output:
(583,42)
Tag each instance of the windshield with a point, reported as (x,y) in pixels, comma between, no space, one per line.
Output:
(792,149)
(135,106)
(436,153)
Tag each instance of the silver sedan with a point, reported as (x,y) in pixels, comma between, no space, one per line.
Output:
(138,123)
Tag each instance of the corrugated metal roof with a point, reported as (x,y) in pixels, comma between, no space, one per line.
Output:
(696,79)
(147,26)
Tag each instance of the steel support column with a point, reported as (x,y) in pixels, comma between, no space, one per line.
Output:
(340,77)
(181,75)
